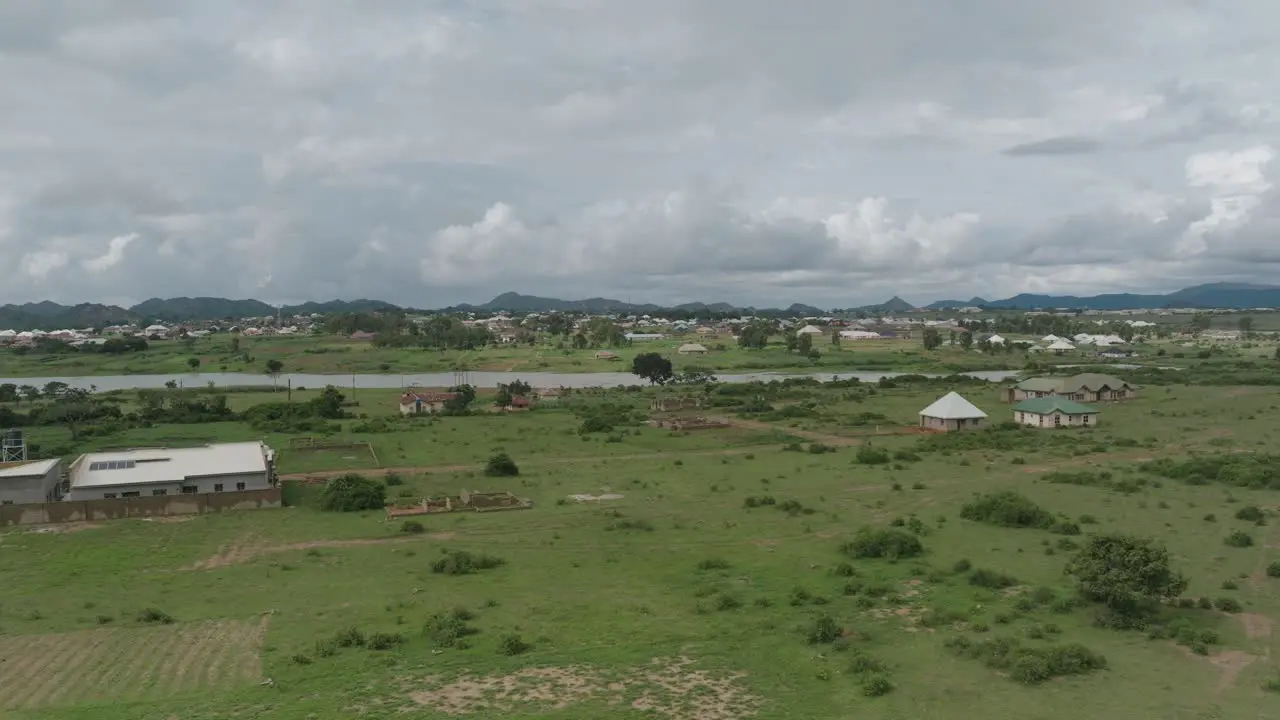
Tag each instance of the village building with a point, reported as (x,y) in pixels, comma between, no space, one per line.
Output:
(952,412)
(226,467)
(606,355)
(1086,387)
(36,481)
(1054,411)
(692,349)
(413,402)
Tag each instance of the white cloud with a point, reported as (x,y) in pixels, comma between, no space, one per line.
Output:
(431,152)
(113,256)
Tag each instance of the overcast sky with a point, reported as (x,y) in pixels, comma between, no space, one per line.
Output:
(832,152)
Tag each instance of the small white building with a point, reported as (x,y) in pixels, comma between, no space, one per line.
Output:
(30,482)
(227,467)
(1061,346)
(952,412)
(809,330)
(692,349)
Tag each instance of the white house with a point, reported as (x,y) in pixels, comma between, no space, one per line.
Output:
(859,335)
(160,330)
(692,349)
(809,330)
(952,412)
(228,467)
(30,482)
(1060,346)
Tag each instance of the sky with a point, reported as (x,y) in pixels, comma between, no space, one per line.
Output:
(830,152)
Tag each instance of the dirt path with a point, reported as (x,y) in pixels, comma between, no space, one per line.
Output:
(246,549)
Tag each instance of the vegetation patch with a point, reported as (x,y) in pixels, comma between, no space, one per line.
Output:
(1007,509)
(1029,665)
(889,543)
(1252,470)
(461,562)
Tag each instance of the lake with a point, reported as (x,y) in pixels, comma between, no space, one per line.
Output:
(477,379)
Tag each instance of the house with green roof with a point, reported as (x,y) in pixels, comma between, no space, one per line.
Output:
(1054,412)
(1085,387)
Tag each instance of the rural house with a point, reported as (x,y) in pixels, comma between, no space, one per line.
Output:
(1087,387)
(30,482)
(1054,411)
(413,402)
(692,349)
(227,467)
(952,412)
(606,355)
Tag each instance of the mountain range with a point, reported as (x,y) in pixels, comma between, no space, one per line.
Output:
(50,315)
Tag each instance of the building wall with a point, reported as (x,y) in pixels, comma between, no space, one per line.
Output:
(933,423)
(1064,420)
(16,491)
(99,510)
(426,407)
(203,486)
(1084,396)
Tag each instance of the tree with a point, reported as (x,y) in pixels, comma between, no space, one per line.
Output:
(29,392)
(755,335)
(1125,573)
(835,337)
(235,345)
(8,392)
(558,324)
(460,403)
(193,363)
(501,465)
(652,367)
(804,344)
(1200,322)
(71,407)
(932,338)
(1246,326)
(328,404)
(274,367)
(352,493)
(1278,353)
(966,340)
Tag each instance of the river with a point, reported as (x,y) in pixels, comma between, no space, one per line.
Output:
(477,379)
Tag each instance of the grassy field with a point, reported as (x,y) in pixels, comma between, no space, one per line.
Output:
(689,597)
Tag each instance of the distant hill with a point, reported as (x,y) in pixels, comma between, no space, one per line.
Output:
(339,306)
(52,316)
(894,304)
(806,310)
(202,308)
(954,304)
(1236,296)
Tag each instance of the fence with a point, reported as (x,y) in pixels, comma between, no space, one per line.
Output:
(139,507)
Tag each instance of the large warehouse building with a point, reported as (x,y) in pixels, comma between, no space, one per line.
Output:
(229,467)
(36,481)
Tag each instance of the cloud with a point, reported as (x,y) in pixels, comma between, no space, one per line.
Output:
(1065,145)
(435,152)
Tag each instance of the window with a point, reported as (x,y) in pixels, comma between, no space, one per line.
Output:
(1057,419)
(190,489)
(1085,419)
(161,491)
(217,487)
(135,493)
(108,496)
(239,486)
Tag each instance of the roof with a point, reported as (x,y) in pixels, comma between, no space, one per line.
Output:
(1090,381)
(1061,345)
(692,347)
(35,468)
(1049,405)
(426,397)
(952,407)
(165,465)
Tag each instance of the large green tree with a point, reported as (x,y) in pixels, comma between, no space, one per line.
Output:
(1128,574)
(652,367)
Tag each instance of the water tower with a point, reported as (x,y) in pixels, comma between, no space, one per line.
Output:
(13,446)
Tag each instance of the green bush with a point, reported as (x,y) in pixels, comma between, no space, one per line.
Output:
(350,637)
(412,527)
(713,564)
(512,644)
(1251,513)
(449,629)
(1273,570)
(870,542)
(1228,605)
(824,630)
(352,493)
(501,465)
(870,455)
(461,562)
(383,641)
(961,566)
(1029,665)
(1238,539)
(1007,509)
(876,686)
(152,616)
(762,501)
(991,580)
(392,479)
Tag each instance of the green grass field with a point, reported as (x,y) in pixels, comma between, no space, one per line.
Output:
(676,600)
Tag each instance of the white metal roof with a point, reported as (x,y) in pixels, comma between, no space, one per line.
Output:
(37,468)
(692,347)
(1061,345)
(159,465)
(952,407)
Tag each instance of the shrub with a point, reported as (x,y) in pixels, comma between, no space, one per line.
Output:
(876,685)
(1228,605)
(1230,585)
(1006,509)
(861,663)
(412,527)
(1238,539)
(152,616)
(461,562)
(501,465)
(844,569)
(384,641)
(1065,527)
(1273,570)
(392,479)
(824,630)
(350,637)
(961,566)
(353,492)
(1087,520)
(512,644)
(725,601)
(906,456)
(1029,665)
(817,448)
(1251,513)
(762,501)
(991,579)
(890,543)
(640,524)
(1211,518)
(713,564)
(870,455)
(449,629)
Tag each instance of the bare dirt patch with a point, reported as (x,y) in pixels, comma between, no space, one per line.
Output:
(128,663)
(246,551)
(667,687)
(64,528)
(1255,626)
